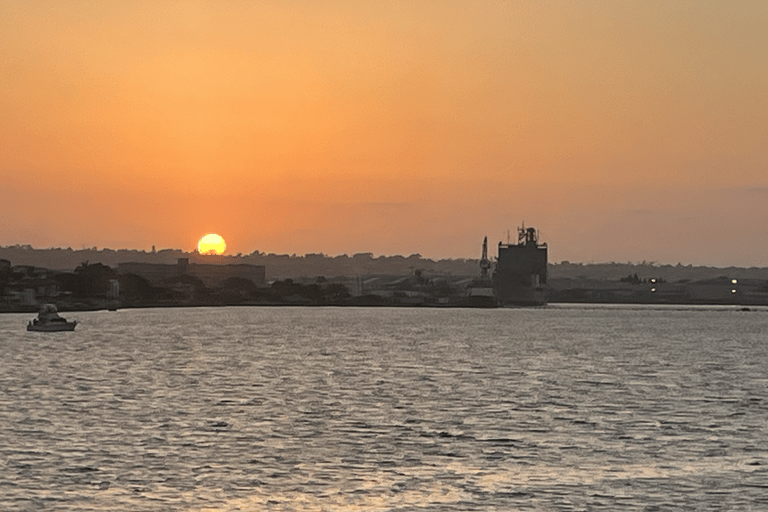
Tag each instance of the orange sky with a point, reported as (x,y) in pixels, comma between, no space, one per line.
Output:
(623,131)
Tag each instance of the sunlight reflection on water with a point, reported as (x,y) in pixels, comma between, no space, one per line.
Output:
(560,408)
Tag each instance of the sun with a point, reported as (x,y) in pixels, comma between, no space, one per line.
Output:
(211,244)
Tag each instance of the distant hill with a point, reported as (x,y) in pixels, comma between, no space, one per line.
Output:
(281,266)
(671,273)
(278,266)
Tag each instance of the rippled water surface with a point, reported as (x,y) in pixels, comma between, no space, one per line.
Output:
(314,409)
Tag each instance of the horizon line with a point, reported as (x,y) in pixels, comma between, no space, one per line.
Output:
(651,263)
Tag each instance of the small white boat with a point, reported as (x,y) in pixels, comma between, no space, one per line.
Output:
(48,320)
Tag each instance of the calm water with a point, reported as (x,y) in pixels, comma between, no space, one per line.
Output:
(313,409)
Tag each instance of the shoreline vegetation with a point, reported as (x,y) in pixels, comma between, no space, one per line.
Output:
(87,279)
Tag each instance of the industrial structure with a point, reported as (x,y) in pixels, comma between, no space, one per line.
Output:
(480,291)
(520,276)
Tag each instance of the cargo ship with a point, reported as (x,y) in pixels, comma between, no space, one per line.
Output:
(520,276)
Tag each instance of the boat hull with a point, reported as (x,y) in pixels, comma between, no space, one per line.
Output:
(481,297)
(57,327)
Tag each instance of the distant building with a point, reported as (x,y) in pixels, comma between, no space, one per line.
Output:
(210,275)
(114,289)
(28,297)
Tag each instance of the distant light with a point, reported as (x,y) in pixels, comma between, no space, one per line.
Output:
(734,281)
(653,290)
(653,280)
(733,291)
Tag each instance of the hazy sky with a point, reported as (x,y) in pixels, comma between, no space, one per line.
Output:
(622,130)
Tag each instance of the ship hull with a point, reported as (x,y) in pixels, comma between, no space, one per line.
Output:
(520,296)
(481,297)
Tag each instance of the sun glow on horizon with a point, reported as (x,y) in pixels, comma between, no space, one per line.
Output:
(389,128)
(211,244)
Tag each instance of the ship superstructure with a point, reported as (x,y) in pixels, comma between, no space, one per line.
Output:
(520,276)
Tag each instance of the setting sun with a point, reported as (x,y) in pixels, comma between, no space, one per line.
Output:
(211,243)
